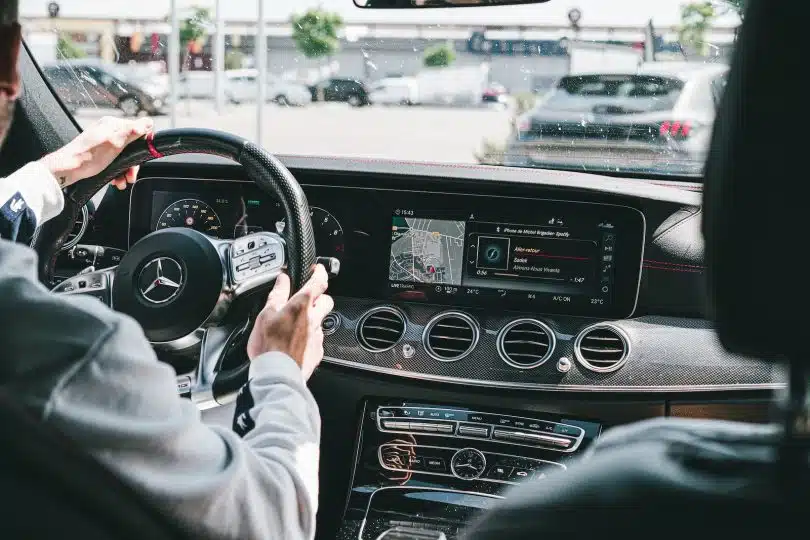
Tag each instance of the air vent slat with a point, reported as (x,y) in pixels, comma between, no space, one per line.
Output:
(525,343)
(601,348)
(598,350)
(380,329)
(450,336)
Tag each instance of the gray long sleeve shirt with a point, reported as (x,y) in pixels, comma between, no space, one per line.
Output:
(90,372)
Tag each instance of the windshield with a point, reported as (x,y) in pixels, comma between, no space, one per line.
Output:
(632,87)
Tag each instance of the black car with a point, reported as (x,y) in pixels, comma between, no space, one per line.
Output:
(346,90)
(101,87)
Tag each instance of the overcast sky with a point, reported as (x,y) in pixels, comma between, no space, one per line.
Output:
(595,12)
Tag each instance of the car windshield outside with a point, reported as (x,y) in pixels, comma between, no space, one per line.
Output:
(625,86)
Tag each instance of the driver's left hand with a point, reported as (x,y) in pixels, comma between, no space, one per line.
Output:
(95,148)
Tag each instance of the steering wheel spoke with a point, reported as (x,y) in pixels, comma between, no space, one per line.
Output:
(215,343)
(97,284)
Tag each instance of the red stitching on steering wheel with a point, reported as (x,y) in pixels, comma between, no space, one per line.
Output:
(150,144)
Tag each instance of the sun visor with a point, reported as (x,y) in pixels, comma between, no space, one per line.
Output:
(757,209)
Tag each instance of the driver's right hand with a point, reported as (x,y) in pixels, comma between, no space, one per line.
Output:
(293,325)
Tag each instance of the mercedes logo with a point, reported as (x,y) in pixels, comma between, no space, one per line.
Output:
(160,280)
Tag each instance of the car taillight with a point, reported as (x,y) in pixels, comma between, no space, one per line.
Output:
(524,124)
(675,128)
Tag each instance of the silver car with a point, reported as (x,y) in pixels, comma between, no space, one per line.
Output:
(624,121)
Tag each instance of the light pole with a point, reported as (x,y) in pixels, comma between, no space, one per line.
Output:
(261,65)
(173,61)
(219,58)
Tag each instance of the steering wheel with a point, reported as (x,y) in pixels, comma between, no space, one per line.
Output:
(179,283)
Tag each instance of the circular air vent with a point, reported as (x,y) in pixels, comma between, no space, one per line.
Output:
(450,336)
(602,348)
(79,226)
(525,343)
(380,329)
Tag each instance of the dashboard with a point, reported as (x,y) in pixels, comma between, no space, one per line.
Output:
(489,323)
(585,285)
(555,256)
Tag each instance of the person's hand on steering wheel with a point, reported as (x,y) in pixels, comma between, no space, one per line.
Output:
(293,325)
(95,148)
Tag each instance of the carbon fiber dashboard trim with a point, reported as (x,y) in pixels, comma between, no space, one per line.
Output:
(667,354)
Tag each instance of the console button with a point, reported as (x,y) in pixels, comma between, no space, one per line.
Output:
(472,430)
(508,435)
(422,426)
(394,424)
(417,463)
(435,465)
(499,472)
(519,475)
(547,440)
(475,417)
(561,429)
(385,413)
(444,428)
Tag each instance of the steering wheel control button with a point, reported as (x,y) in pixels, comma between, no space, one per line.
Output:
(330,323)
(256,254)
(183,384)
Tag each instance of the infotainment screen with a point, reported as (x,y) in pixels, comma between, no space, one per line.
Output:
(570,258)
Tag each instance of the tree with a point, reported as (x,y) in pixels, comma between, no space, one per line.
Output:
(315,33)
(696,19)
(441,55)
(194,29)
(67,49)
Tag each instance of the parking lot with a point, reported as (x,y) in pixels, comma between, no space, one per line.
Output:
(449,135)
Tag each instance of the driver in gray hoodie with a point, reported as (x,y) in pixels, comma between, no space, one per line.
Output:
(90,372)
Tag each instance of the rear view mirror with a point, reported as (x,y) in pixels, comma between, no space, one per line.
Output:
(402,4)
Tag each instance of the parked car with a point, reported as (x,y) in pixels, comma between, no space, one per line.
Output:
(347,90)
(242,85)
(665,111)
(495,93)
(101,86)
(394,91)
(149,76)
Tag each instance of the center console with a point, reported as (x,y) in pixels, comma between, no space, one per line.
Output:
(428,469)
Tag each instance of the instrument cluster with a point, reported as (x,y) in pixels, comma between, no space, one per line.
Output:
(238,211)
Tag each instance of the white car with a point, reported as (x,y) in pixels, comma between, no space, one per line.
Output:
(242,85)
(394,91)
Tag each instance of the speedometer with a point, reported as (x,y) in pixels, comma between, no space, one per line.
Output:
(190,213)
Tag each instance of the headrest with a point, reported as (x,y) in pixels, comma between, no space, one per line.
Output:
(757,190)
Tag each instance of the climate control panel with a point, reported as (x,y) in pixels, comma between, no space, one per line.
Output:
(475,425)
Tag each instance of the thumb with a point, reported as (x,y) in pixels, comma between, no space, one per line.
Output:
(280,294)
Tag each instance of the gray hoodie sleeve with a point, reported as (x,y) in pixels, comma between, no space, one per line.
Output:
(91,373)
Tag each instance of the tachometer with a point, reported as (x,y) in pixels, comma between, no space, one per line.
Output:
(327,229)
(191,213)
(328,233)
